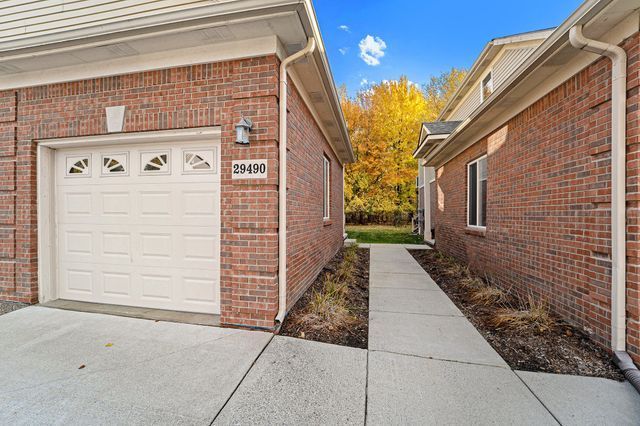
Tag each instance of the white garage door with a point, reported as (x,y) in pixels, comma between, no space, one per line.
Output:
(139,225)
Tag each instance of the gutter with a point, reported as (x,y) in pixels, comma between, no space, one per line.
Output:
(282,179)
(559,38)
(618,58)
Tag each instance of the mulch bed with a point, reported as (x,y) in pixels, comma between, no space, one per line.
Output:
(357,333)
(6,307)
(562,350)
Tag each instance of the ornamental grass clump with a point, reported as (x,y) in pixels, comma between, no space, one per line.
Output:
(489,295)
(532,314)
(328,305)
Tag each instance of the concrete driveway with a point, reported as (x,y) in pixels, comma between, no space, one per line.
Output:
(63,367)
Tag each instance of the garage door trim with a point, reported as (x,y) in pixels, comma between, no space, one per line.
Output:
(46,187)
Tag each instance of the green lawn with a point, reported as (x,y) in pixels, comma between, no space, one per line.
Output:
(383,234)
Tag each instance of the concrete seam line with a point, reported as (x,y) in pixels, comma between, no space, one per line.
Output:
(444,359)
(244,376)
(536,397)
(366,390)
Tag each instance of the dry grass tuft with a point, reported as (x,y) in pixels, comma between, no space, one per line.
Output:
(488,295)
(455,269)
(535,314)
(328,307)
(471,283)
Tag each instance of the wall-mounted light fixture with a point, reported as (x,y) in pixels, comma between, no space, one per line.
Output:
(243,128)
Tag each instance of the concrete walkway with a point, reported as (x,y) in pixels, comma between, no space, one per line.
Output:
(67,368)
(428,364)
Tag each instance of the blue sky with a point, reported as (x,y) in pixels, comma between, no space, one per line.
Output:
(420,38)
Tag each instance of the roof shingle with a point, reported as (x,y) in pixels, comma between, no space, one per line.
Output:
(441,127)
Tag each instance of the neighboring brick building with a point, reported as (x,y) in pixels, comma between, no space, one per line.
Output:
(523,184)
(121,177)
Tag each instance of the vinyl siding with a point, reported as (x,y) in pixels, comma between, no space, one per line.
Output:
(468,105)
(502,68)
(21,19)
(508,63)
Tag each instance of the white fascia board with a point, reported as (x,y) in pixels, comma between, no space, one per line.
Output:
(531,36)
(424,147)
(307,11)
(180,135)
(218,52)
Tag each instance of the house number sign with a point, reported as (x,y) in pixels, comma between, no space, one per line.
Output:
(249,169)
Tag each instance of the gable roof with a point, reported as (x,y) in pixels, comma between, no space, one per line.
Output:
(486,57)
(440,127)
(432,132)
(552,63)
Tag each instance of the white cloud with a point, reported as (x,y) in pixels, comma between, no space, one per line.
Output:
(345,28)
(343,50)
(372,49)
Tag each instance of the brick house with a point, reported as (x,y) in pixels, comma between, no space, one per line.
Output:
(528,163)
(145,159)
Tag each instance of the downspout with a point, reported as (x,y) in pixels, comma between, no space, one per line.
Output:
(618,196)
(282,179)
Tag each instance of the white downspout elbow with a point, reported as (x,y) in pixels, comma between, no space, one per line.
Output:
(618,178)
(282,179)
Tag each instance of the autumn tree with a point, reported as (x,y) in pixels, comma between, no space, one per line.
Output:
(384,122)
(440,89)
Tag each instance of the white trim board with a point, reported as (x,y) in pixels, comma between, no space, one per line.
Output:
(180,135)
(46,183)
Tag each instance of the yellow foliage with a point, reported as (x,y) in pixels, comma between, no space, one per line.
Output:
(384,123)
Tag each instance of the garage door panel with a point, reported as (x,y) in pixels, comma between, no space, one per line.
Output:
(77,204)
(155,204)
(116,284)
(188,247)
(173,206)
(79,280)
(168,288)
(115,203)
(137,239)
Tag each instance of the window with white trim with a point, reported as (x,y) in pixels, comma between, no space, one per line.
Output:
(486,88)
(477,193)
(326,181)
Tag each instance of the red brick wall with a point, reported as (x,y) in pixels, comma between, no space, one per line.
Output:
(195,96)
(548,216)
(13,192)
(312,242)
